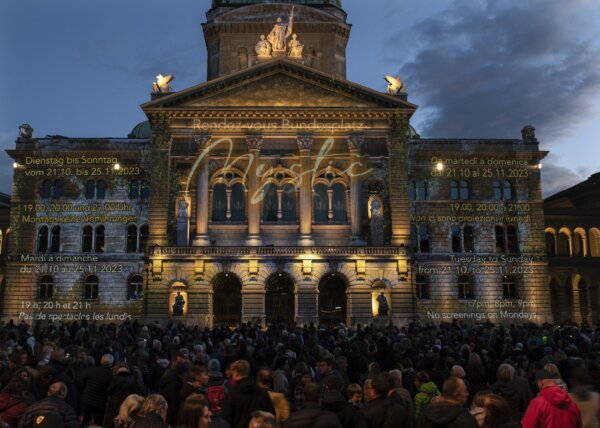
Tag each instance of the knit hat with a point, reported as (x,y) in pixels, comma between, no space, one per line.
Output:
(214,366)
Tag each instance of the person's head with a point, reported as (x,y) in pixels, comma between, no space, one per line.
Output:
(264,377)
(396,378)
(16,386)
(262,36)
(497,411)
(506,372)
(130,411)
(552,368)
(333,383)
(312,393)
(455,390)
(479,398)
(24,374)
(306,378)
(457,371)
(195,413)
(240,369)
(341,362)
(325,365)
(281,363)
(368,390)
(382,384)
(262,419)
(155,403)
(545,379)
(197,376)
(421,378)
(107,360)
(58,389)
(354,393)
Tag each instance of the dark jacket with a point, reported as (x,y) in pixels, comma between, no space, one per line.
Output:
(95,382)
(50,405)
(150,421)
(189,389)
(312,416)
(349,416)
(514,396)
(446,415)
(243,399)
(121,386)
(170,387)
(384,413)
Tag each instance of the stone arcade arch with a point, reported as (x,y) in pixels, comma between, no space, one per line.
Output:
(280,302)
(333,302)
(227,300)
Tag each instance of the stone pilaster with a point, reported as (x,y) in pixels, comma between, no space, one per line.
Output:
(398,183)
(202,206)
(355,142)
(305,142)
(254,143)
(158,211)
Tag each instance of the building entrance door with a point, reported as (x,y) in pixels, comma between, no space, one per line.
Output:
(279,299)
(227,300)
(332,300)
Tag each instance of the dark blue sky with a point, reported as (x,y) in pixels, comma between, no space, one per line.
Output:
(477,68)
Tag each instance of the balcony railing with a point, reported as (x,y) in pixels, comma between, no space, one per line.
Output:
(276,251)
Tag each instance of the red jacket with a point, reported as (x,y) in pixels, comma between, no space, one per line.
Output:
(12,408)
(553,408)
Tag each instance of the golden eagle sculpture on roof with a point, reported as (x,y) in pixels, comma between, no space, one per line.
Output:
(162,83)
(395,86)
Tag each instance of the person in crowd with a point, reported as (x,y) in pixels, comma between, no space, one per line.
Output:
(478,406)
(449,410)
(497,412)
(380,411)
(197,379)
(427,392)
(262,419)
(333,400)
(14,400)
(368,393)
(588,400)
(507,388)
(552,408)
(171,385)
(129,412)
(52,408)
(400,395)
(264,379)
(312,415)
(154,411)
(122,386)
(195,413)
(355,395)
(215,390)
(244,398)
(95,382)
(280,382)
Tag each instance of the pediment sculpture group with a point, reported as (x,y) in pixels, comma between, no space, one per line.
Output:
(276,43)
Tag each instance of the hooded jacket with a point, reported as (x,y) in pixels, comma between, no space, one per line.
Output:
(349,416)
(426,392)
(553,408)
(243,399)
(446,415)
(514,396)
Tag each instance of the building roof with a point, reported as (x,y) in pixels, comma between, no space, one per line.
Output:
(235,3)
(584,195)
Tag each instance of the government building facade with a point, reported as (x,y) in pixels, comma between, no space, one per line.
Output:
(276,191)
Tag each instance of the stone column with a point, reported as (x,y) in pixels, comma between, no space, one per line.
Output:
(398,183)
(254,143)
(355,142)
(305,142)
(202,203)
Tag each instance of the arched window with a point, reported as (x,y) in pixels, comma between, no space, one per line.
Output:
(468,239)
(144,235)
(55,240)
(87,239)
(419,236)
(421,190)
(270,203)
(134,189)
(99,247)
(464,190)
(320,203)
(238,202)
(500,241)
(57,189)
(563,247)
(465,287)
(42,239)
(422,287)
(550,244)
(46,191)
(512,239)
(45,288)
(454,190)
(462,239)
(219,202)
(339,203)
(579,243)
(131,238)
(90,189)
(509,287)
(507,192)
(497,190)
(288,202)
(145,190)
(100,189)
(135,288)
(90,288)
(595,242)
(456,238)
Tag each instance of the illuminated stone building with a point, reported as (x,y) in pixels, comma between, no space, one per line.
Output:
(573,245)
(277,191)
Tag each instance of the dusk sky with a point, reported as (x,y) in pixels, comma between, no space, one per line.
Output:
(480,68)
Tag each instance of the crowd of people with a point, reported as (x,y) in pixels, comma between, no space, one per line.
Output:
(418,376)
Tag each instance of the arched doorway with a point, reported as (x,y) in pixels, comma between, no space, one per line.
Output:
(332,299)
(279,299)
(227,300)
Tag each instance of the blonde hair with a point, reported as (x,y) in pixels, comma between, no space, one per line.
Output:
(130,411)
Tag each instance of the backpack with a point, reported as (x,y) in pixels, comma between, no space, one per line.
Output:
(216,394)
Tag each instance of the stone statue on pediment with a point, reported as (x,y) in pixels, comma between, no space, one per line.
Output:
(263,48)
(295,47)
(280,33)
(25,132)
